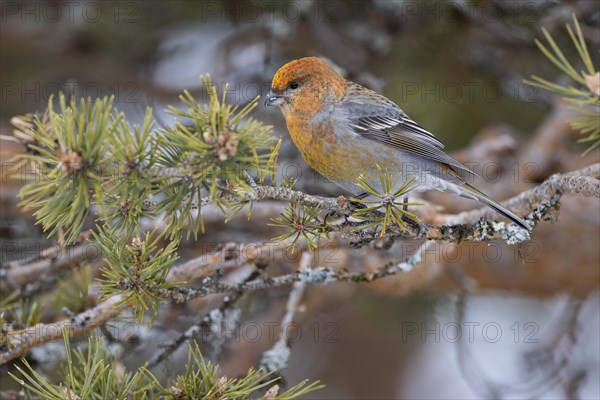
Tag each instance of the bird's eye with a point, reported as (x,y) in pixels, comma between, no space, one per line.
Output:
(294,85)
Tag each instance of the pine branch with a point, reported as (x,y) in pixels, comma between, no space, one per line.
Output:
(583,182)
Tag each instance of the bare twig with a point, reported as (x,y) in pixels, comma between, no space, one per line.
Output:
(55,259)
(218,316)
(323,275)
(276,358)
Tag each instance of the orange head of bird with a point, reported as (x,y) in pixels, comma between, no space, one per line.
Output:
(303,85)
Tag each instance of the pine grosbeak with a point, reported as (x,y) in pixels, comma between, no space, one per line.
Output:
(344,130)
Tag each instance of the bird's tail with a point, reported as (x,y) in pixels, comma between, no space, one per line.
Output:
(470,192)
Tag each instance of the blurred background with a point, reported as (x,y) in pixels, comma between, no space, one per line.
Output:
(529,328)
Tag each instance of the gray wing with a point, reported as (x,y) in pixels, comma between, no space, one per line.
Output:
(391,126)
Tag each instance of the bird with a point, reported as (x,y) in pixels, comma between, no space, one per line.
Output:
(344,130)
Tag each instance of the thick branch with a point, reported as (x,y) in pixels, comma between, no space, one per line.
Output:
(584,182)
(539,203)
(258,192)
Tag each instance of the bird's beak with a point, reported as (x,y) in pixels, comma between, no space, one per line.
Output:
(273,99)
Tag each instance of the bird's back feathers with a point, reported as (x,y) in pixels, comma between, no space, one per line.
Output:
(374,117)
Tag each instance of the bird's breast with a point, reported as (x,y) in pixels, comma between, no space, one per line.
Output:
(335,151)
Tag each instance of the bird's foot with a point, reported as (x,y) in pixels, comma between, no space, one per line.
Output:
(358,204)
(415,224)
(335,215)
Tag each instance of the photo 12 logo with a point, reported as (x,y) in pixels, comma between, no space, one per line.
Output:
(254,332)
(453,332)
(41,92)
(71,12)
